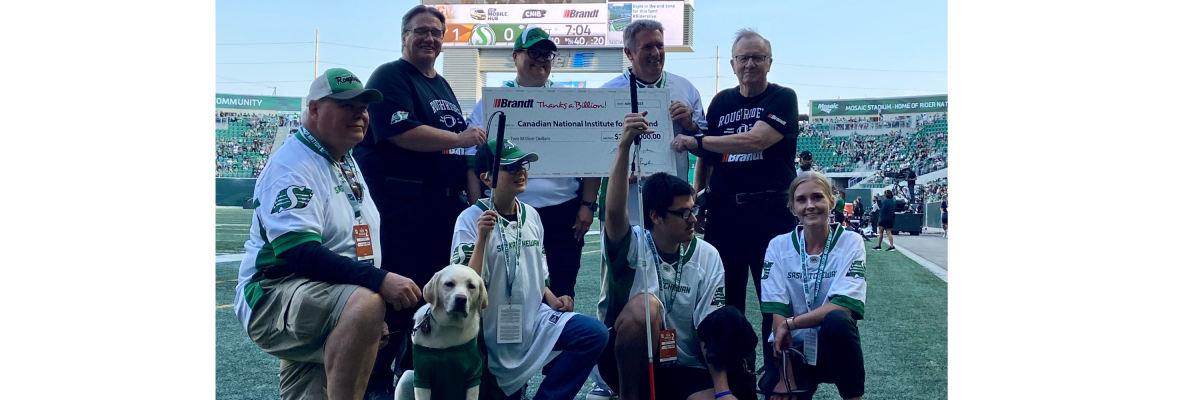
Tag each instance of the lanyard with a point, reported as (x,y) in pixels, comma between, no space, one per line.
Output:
(820,267)
(356,204)
(660,83)
(668,303)
(512,258)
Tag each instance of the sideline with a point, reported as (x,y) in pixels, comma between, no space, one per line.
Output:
(934,268)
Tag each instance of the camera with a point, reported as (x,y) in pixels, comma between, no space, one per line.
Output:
(893,175)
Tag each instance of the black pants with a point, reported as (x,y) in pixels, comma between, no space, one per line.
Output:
(414,238)
(563,252)
(839,360)
(741,232)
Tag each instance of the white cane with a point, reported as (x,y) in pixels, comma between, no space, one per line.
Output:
(637,167)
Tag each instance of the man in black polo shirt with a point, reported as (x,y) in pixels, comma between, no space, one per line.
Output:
(414,163)
(748,150)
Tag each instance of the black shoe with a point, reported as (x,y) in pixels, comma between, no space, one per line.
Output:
(893,248)
(876,248)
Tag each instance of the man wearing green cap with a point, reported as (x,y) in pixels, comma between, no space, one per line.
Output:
(310,290)
(566,205)
(502,239)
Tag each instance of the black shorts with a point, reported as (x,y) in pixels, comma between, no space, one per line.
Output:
(839,217)
(673,382)
(943,218)
(887,223)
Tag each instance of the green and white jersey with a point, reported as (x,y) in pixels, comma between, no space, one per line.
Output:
(691,287)
(512,277)
(790,280)
(300,197)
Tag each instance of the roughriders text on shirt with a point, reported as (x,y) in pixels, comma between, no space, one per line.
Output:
(443,105)
(745,113)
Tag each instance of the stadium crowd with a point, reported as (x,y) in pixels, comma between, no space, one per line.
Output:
(245,140)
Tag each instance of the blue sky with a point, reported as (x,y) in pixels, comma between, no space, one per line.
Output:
(858,38)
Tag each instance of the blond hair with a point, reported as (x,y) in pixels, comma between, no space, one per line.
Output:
(806,176)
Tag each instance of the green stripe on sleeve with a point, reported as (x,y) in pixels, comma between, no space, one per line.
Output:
(857,309)
(287,241)
(253,291)
(770,307)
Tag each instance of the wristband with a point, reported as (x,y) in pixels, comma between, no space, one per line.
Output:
(723,394)
(788,322)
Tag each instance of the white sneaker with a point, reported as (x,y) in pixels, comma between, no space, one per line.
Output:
(599,393)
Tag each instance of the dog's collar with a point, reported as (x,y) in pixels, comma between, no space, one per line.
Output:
(425,325)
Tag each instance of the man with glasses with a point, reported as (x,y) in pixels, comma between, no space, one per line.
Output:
(748,150)
(683,278)
(310,290)
(566,205)
(413,160)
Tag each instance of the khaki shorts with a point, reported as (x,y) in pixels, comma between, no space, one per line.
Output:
(291,321)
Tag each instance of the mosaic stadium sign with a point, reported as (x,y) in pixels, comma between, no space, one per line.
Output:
(895,105)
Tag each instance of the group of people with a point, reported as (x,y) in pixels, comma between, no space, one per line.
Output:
(386,183)
(244,155)
(849,123)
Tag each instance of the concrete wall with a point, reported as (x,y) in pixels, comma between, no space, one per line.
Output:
(234,191)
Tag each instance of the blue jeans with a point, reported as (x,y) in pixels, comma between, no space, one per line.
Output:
(581,342)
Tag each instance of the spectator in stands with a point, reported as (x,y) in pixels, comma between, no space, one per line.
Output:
(887,220)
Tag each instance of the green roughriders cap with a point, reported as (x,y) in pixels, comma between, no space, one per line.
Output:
(509,154)
(340,84)
(532,35)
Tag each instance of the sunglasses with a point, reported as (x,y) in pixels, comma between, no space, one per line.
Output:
(541,55)
(685,213)
(354,186)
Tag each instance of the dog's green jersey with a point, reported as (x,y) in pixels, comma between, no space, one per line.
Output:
(448,372)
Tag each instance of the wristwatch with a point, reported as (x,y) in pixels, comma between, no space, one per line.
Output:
(699,141)
(590,205)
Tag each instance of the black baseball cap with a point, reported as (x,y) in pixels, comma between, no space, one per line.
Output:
(806,155)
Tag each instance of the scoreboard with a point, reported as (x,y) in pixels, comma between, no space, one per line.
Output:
(581,24)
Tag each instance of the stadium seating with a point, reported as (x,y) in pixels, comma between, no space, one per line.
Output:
(242,147)
(925,150)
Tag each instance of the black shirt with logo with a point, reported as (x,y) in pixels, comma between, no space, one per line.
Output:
(771,169)
(410,99)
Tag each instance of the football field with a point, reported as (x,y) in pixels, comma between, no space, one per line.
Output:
(904,336)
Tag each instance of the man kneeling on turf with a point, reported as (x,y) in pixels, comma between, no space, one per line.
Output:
(310,290)
(686,287)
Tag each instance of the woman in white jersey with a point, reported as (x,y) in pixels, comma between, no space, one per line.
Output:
(526,326)
(815,285)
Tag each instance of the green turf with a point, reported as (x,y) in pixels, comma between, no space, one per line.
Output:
(903,335)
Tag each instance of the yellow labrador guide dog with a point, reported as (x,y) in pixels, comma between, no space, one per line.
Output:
(447,363)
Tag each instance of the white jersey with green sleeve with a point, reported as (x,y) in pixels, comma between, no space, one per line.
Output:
(689,293)
(512,283)
(790,278)
(299,197)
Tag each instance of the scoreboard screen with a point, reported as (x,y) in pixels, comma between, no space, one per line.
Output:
(597,24)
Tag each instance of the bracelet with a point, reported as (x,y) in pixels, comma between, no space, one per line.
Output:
(788,322)
(725,393)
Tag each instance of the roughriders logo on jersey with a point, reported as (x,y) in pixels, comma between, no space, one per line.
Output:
(726,121)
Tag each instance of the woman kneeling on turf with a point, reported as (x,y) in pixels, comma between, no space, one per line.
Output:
(814,283)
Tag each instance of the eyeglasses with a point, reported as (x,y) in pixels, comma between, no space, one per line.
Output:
(354,186)
(541,55)
(685,213)
(758,59)
(515,167)
(421,32)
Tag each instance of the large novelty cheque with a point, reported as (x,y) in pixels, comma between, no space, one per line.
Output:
(575,132)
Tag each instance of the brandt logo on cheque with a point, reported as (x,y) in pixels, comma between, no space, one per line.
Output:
(506,103)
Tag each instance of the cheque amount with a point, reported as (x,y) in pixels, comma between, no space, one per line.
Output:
(615,136)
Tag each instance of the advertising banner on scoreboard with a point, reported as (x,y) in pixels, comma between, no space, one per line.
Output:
(244,102)
(574,24)
(575,132)
(894,105)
